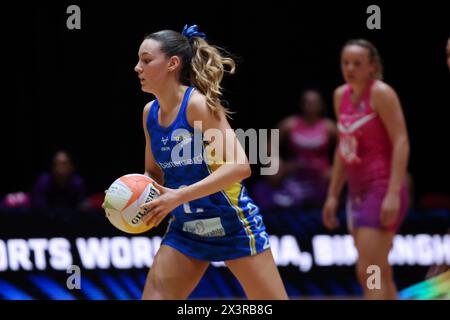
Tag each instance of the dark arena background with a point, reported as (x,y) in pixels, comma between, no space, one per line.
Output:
(76,90)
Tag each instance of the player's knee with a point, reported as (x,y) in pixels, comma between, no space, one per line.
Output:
(367,267)
(154,288)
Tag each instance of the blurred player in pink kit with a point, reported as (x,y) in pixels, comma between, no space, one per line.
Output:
(309,135)
(372,156)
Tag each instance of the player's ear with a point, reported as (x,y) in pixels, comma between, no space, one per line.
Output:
(174,63)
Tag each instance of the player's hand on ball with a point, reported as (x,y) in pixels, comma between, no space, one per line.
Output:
(329,213)
(159,208)
(103,204)
(390,209)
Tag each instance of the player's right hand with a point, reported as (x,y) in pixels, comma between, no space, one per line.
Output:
(329,213)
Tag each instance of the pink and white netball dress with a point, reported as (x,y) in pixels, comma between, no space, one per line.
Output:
(366,149)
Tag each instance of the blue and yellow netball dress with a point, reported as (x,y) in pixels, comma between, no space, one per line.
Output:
(222,226)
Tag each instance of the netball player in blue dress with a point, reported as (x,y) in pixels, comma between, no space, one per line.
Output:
(212,217)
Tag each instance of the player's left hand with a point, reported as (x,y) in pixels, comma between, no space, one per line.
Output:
(390,209)
(159,208)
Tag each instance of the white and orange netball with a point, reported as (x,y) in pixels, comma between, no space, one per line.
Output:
(123,200)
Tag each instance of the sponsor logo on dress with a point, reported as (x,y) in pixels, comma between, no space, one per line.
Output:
(205,227)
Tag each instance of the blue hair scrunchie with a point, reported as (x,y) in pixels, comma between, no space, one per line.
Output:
(192,31)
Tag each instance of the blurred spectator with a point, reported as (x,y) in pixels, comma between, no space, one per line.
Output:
(307,141)
(268,192)
(61,188)
(18,199)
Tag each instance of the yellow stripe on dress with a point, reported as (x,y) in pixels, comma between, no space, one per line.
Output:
(232,194)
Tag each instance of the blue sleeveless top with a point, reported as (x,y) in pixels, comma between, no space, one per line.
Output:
(182,159)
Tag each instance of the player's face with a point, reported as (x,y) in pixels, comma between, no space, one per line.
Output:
(356,65)
(448,54)
(312,104)
(152,66)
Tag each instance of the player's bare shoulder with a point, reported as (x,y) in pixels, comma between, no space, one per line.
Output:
(287,124)
(197,108)
(383,95)
(197,103)
(382,88)
(339,91)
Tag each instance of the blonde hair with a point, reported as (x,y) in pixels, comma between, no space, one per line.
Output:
(207,70)
(202,65)
(374,55)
